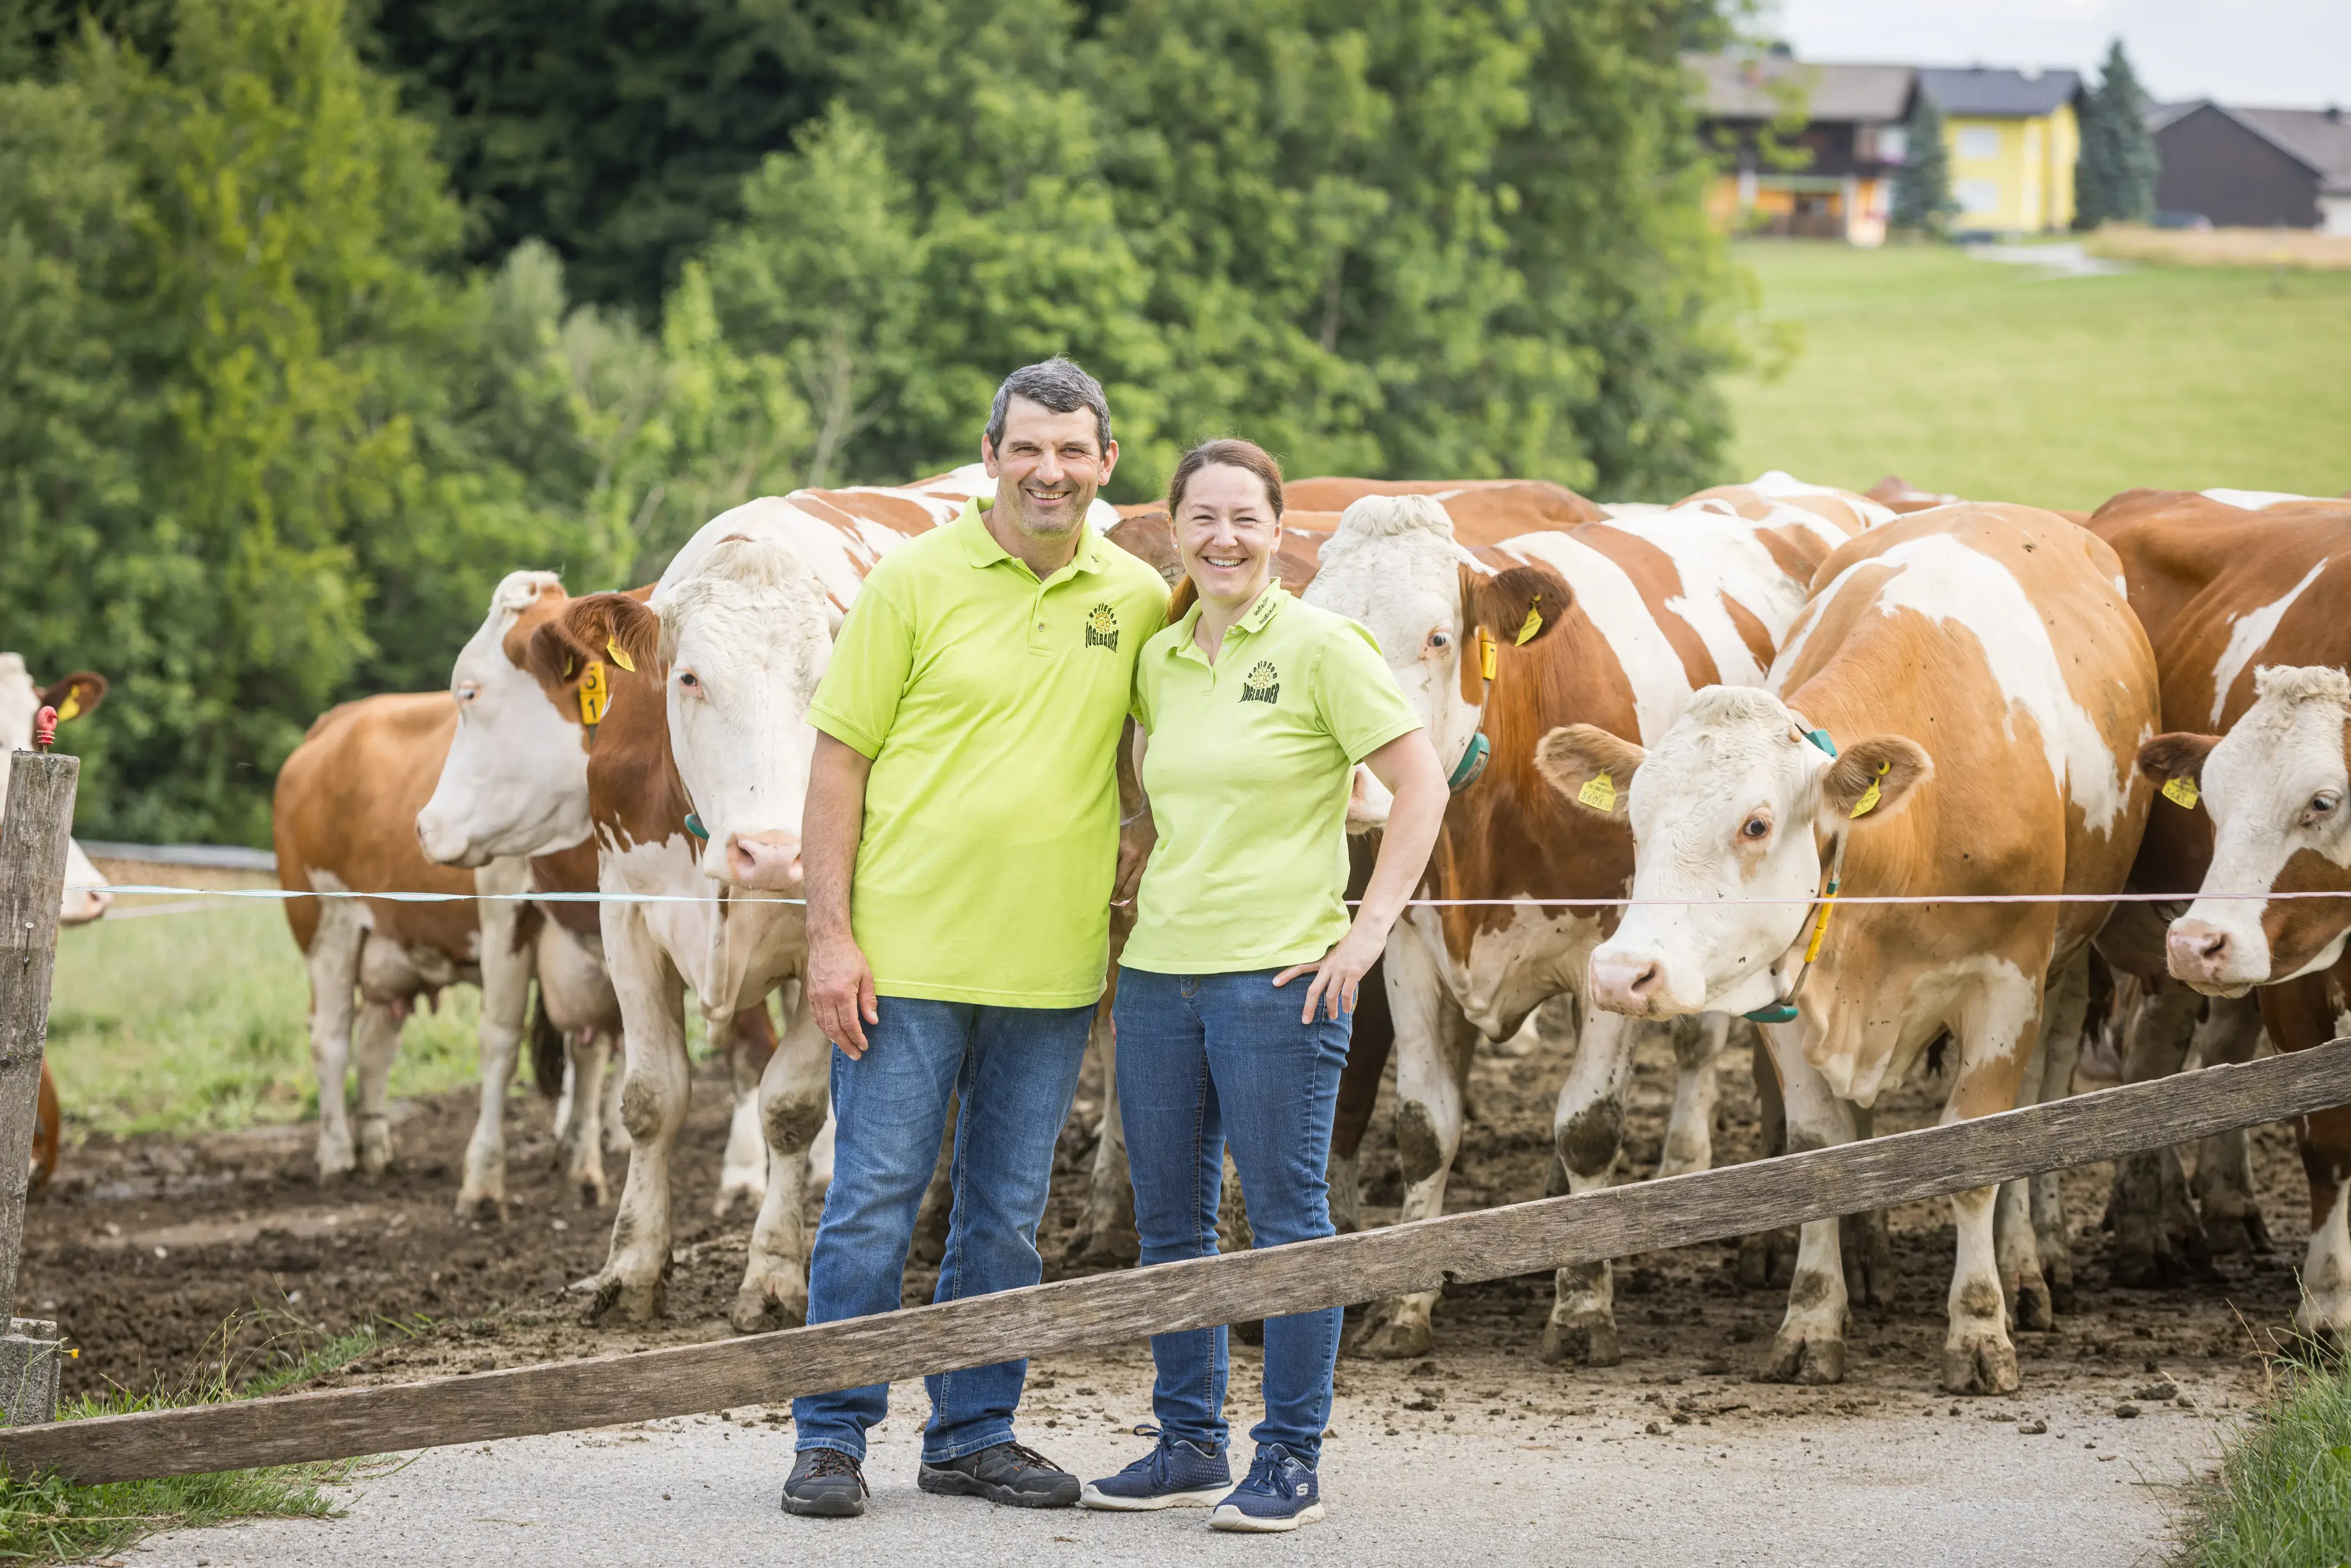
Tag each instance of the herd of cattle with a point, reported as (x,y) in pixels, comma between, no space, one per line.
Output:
(1729,709)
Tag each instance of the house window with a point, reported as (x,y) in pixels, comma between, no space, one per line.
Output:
(1980,142)
(1893,143)
(1978,198)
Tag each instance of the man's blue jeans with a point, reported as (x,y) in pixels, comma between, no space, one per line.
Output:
(1204,1061)
(1017,1072)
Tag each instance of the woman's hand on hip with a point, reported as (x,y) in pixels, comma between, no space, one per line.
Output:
(1338,974)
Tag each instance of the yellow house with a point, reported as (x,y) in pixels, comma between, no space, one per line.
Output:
(2013,138)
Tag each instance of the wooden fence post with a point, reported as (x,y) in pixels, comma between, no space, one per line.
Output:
(35,829)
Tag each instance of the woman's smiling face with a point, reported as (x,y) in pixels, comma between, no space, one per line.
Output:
(1226,532)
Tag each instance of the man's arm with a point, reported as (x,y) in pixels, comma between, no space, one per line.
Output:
(840,983)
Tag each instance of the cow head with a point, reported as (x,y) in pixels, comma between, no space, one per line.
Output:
(21,699)
(2276,787)
(1732,806)
(742,643)
(516,780)
(1393,565)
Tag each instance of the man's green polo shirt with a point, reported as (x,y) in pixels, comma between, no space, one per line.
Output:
(991,706)
(1248,769)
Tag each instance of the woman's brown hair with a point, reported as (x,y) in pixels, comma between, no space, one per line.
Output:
(1227,453)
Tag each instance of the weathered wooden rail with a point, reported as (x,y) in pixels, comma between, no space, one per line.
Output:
(1115,1308)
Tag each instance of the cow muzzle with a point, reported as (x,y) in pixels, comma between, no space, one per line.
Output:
(2203,954)
(768,863)
(1632,983)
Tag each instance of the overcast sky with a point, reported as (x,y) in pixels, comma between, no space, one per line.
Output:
(2284,53)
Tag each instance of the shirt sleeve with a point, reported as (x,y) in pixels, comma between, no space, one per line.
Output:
(1357,696)
(857,701)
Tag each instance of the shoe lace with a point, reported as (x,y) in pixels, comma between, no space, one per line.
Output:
(833,1462)
(1272,1470)
(1026,1459)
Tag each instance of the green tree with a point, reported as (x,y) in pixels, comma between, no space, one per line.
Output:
(1922,189)
(2114,178)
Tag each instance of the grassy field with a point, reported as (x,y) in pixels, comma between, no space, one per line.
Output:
(2284,1496)
(2005,384)
(196,1021)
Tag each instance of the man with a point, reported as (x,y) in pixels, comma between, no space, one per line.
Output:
(962,849)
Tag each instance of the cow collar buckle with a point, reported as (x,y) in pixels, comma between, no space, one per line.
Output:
(1785,1009)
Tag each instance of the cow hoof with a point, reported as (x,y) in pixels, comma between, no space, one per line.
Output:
(729,1196)
(2145,1269)
(618,1302)
(1589,1340)
(485,1207)
(2031,1312)
(1767,1259)
(1104,1248)
(1396,1338)
(1795,1358)
(758,1309)
(2060,1289)
(1981,1364)
(2235,1233)
(592,1192)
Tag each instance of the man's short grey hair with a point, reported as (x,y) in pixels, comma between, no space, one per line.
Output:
(1057,384)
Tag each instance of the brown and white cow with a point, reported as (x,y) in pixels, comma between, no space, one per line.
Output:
(342,821)
(1475,504)
(1848,511)
(2244,606)
(86,899)
(1985,689)
(1614,623)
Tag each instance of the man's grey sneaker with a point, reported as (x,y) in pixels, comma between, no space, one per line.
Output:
(1007,1473)
(825,1484)
(1281,1493)
(1174,1474)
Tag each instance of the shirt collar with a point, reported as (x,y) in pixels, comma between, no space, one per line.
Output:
(1254,620)
(980,548)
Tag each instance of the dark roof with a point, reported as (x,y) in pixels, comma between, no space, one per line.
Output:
(2318,138)
(1736,87)
(1978,90)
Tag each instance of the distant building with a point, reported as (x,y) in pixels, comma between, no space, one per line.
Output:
(2012,135)
(2013,138)
(2255,168)
(1852,130)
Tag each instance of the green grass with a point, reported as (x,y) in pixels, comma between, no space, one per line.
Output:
(2000,383)
(52,1521)
(2284,1496)
(198,1022)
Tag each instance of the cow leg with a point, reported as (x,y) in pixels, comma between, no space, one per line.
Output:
(2016,1247)
(795,1093)
(506,999)
(1588,1132)
(1995,1033)
(1689,1130)
(1768,1257)
(654,1090)
(581,1145)
(1106,1234)
(2325,1310)
(2223,1187)
(2020,1242)
(1368,1049)
(615,1125)
(2069,1002)
(743,1173)
(375,1042)
(821,1153)
(1810,1345)
(1434,1043)
(2146,1209)
(333,960)
(1865,1240)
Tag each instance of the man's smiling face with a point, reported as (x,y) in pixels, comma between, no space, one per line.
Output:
(1048,467)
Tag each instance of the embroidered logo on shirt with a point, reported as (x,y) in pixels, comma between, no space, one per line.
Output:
(1101,628)
(1262,684)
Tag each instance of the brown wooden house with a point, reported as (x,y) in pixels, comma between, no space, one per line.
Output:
(2255,168)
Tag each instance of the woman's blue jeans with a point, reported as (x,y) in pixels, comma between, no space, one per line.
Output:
(1204,1060)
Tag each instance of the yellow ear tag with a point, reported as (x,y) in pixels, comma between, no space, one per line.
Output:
(1599,792)
(2182,793)
(1869,796)
(595,697)
(620,655)
(70,708)
(1531,625)
(1487,651)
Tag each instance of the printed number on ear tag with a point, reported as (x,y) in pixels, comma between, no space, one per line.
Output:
(1599,792)
(620,655)
(595,695)
(2182,793)
(1871,796)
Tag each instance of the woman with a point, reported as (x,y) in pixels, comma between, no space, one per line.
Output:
(1257,708)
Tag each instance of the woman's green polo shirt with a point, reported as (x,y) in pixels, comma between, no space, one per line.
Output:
(1248,769)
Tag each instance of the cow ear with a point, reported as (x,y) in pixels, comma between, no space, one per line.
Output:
(615,628)
(1873,779)
(1516,605)
(1590,767)
(76,695)
(2178,755)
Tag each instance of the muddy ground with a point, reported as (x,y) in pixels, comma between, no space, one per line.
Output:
(144,1249)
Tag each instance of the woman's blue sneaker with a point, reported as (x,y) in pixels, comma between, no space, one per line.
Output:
(1281,1493)
(1174,1474)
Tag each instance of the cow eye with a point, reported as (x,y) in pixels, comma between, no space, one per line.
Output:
(1439,640)
(2324,802)
(468,692)
(688,679)
(1756,828)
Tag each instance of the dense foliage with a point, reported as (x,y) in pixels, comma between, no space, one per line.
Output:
(313,323)
(1922,188)
(2114,178)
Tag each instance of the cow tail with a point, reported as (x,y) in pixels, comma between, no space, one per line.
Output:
(547,1048)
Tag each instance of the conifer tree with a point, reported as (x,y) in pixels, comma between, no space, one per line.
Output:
(2115,178)
(1922,191)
